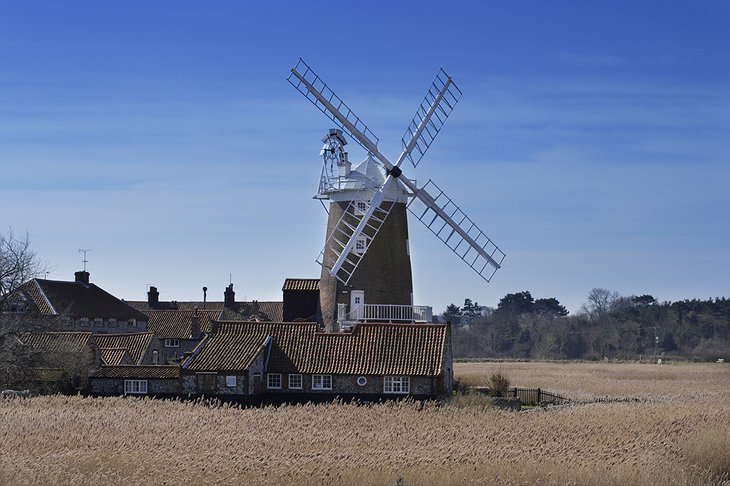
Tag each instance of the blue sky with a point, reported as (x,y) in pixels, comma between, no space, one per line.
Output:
(592,142)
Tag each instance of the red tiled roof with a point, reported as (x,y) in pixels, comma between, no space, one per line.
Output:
(137,372)
(115,356)
(47,341)
(136,344)
(301,284)
(274,310)
(177,324)
(371,349)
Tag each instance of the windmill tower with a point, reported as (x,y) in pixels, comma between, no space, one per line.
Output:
(366,258)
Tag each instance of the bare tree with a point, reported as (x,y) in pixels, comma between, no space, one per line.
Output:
(18,262)
(601,301)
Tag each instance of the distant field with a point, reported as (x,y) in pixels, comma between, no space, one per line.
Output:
(674,428)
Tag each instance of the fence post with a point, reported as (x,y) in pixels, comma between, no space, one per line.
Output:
(539,397)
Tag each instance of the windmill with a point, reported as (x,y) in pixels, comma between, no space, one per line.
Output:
(366,250)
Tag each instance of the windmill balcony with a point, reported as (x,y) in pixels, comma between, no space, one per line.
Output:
(382,313)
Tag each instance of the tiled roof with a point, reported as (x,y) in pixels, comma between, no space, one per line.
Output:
(371,349)
(137,372)
(115,356)
(177,324)
(301,284)
(75,299)
(136,344)
(235,344)
(46,341)
(274,310)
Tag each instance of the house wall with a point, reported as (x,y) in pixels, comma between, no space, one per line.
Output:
(186,346)
(115,386)
(190,384)
(347,384)
(155,345)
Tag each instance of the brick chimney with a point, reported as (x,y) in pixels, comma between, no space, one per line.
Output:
(153,296)
(82,277)
(229,297)
(195,325)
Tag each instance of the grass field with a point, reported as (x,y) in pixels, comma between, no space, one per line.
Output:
(672,426)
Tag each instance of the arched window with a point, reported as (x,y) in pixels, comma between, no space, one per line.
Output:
(155,357)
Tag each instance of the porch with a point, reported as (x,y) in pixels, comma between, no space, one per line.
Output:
(392,313)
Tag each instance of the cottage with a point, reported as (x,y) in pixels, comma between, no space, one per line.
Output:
(52,305)
(159,381)
(295,361)
(180,331)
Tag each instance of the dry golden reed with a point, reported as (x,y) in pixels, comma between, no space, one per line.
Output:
(647,440)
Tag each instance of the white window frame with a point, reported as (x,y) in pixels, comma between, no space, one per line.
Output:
(135,387)
(231,381)
(293,378)
(271,381)
(84,321)
(321,382)
(172,343)
(112,322)
(132,322)
(397,384)
(98,322)
(361,245)
(360,211)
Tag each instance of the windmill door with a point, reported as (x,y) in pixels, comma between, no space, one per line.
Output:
(357,304)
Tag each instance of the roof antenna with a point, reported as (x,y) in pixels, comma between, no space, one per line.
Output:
(84,251)
(230,278)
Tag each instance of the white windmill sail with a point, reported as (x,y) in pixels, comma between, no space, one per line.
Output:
(346,239)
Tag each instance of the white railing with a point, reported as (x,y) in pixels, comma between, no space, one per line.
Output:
(384,313)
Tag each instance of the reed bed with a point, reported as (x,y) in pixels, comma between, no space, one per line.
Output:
(75,440)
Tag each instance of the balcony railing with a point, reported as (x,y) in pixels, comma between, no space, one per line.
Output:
(383,313)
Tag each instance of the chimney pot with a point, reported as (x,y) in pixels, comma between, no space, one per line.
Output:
(153,296)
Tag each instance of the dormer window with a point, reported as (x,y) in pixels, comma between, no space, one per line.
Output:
(132,322)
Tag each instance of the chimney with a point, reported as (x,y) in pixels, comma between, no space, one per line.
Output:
(82,277)
(205,297)
(195,325)
(153,296)
(229,297)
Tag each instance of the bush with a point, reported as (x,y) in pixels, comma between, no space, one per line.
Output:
(499,384)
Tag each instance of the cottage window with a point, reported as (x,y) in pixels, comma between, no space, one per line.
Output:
(295,382)
(84,321)
(231,381)
(155,357)
(112,322)
(321,382)
(98,322)
(397,384)
(172,343)
(273,380)
(138,387)
(132,323)
(206,382)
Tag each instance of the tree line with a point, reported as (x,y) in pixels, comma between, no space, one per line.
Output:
(608,326)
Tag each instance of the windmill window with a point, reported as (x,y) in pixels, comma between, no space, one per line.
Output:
(360,208)
(361,245)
